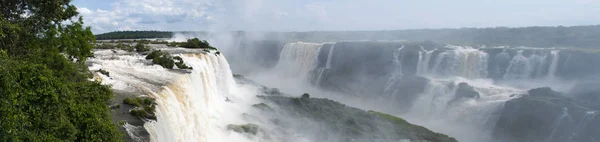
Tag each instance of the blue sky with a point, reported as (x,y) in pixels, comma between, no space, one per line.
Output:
(311,15)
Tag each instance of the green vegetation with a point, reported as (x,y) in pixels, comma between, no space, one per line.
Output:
(192,43)
(125,47)
(417,130)
(134,35)
(179,63)
(353,123)
(196,43)
(144,107)
(105,46)
(165,60)
(44,86)
(246,128)
(140,47)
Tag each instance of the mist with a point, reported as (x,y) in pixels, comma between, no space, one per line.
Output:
(473,70)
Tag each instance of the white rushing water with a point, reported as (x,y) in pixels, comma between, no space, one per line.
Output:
(396,75)
(193,106)
(461,61)
(297,60)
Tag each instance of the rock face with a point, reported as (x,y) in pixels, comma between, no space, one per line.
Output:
(546,116)
(338,122)
(464,91)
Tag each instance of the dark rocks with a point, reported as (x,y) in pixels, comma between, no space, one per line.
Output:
(245,128)
(464,91)
(334,120)
(546,116)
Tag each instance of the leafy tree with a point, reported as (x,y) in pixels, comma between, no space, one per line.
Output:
(45,94)
(196,43)
(141,48)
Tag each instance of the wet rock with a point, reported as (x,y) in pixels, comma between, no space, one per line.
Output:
(546,116)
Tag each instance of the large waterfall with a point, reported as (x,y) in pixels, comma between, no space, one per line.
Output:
(193,106)
(466,86)
(298,59)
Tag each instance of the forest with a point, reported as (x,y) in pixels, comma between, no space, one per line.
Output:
(537,36)
(45,94)
(134,35)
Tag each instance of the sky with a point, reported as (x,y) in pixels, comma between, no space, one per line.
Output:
(331,15)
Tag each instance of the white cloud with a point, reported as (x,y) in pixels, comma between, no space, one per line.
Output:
(146,15)
(294,15)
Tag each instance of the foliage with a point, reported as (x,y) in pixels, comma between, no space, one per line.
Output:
(354,123)
(180,63)
(196,43)
(305,96)
(44,86)
(134,35)
(166,61)
(139,47)
(420,131)
(246,128)
(104,46)
(144,107)
(125,47)
(38,106)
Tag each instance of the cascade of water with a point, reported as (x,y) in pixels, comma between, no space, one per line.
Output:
(194,108)
(564,116)
(538,59)
(296,60)
(585,120)
(134,132)
(433,107)
(329,56)
(519,67)
(423,63)
(397,74)
(321,71)
(461,61)
(553,64)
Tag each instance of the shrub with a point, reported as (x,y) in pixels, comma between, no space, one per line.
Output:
(164,61)
(305,96)
(141,48)
(196,43)
(105,46)
(133,102)
(154,54)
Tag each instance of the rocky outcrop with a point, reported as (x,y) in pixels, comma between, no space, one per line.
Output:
(338,122)
(464,91)
(545,115)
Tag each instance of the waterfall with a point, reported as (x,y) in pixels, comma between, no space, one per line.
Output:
(461,61)
(397,74)
(329,56)
(585,120)
(553,64)
(519,67)
(194,107)
(423,63)
(296,60)
(321,71)
(433,107)
(563,116)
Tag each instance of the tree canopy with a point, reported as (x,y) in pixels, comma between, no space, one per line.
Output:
(134,35)
(45,94)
